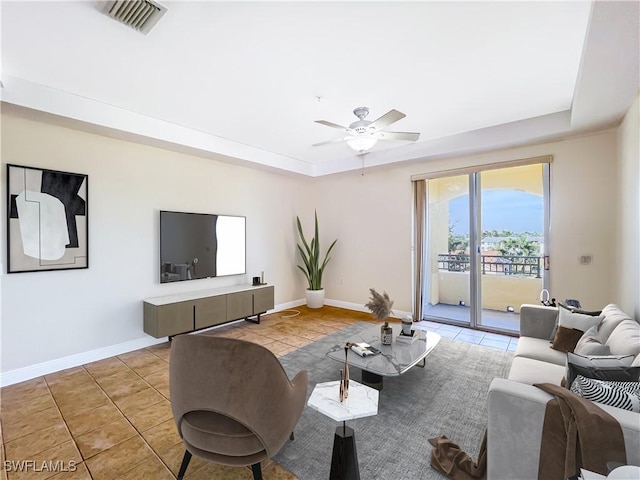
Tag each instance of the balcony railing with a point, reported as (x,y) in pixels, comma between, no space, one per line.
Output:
(521,265)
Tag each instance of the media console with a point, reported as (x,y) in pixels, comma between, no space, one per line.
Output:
(171,315)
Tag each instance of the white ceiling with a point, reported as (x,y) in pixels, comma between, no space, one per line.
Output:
(247,80)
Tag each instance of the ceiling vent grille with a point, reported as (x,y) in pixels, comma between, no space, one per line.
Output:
(140,15)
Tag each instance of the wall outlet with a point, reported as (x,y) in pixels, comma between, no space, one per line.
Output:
(585,259)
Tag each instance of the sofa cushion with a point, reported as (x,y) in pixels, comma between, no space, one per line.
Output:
(579,321)
(625,338)
(592,347)
(572,310)
(538,349)
(617,394)
(614,368)
(613,315)
(531,371)
(589,344)
(566,339)
(537,321)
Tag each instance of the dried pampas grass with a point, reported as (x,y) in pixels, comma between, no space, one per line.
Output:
(380,305)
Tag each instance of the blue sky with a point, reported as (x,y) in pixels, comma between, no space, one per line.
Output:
(501,210)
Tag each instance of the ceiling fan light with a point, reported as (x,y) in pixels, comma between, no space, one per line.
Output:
(362,144)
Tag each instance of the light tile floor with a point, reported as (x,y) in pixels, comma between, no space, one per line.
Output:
(491,319)
(477,337)
(112,420)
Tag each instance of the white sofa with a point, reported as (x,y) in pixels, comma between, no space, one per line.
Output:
(516,408)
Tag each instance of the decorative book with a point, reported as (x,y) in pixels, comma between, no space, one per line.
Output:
(363,349)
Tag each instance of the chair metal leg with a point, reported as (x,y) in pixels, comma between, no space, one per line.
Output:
(257,471)
(185,464)
(291,437)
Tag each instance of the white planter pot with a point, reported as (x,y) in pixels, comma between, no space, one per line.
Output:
(315,298)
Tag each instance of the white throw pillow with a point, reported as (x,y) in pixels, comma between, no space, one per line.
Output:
(577,321)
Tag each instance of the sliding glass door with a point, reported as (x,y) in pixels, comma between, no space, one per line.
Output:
(485,243)
(448,282)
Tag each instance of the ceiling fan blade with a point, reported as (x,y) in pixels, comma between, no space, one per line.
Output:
(331,141)
(332,125)
(397,136)
(387,119)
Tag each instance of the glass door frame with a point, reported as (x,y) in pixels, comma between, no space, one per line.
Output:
(475,295)
(475,191)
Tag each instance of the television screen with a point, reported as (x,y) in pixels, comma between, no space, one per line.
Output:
(198,245)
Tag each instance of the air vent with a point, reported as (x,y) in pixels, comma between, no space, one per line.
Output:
(140,15)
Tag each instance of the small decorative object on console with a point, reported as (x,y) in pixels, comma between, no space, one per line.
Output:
(380,306)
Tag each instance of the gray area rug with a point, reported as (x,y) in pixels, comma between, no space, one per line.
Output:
(447,397)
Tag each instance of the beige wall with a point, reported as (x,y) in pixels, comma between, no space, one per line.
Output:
(627,245)
(53,315)
(372,212)
(49,315)
(372,215)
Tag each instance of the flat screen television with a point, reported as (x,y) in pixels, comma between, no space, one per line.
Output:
(199,245)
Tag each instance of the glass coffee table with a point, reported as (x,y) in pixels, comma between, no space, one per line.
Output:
(393,360)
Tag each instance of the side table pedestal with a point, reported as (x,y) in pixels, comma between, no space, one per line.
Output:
(344,460)
(361,402)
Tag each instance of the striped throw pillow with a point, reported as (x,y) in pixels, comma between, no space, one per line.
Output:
(624,395)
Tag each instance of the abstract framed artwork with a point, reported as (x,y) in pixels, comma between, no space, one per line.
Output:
(47,220)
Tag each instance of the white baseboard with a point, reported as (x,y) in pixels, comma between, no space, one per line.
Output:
(32,371)
(361,308)
(45,368)
(286,306)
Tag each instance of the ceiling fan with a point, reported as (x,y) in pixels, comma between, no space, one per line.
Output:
(363,134)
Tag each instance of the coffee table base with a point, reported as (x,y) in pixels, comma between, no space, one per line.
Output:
(372,380)
(344,461)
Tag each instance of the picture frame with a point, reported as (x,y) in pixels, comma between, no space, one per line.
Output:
(47,220)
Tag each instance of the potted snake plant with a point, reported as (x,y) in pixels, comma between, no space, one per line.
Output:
(312,264)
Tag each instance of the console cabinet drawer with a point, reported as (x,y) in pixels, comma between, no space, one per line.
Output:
(263,300)
(211,311)
(239,305)
(168,320)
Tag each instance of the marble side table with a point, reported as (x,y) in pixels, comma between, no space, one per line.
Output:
(361,402)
